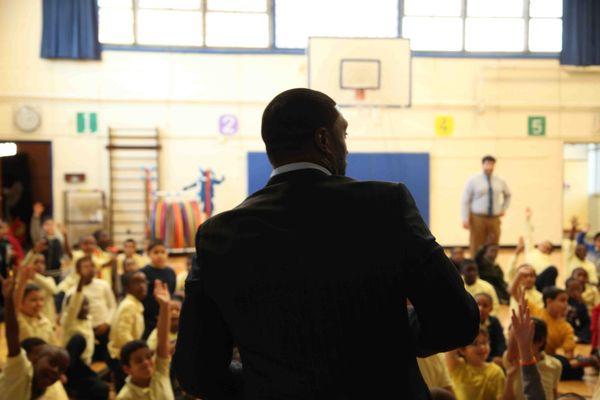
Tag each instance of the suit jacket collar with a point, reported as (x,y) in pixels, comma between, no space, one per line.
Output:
(299,174)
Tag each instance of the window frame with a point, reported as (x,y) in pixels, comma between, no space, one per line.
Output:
(273,49)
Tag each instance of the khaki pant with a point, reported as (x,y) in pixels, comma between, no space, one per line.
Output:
(484,230)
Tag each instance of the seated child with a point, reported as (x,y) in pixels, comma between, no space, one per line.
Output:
(128,322)
(35,272)
(30,303)
(549,367)
(75,321)
(457,256)
(435,372)
(590,295)
(474,285)
(577,313)
(157,269)
(176,302)
(130,252)
(576,255)
(101,300)
(103,262)
(33,347)
(524,282)
(147,375)
(593,248)
(22,378)
(561,334)
(493,327)
(473,378)
(491,272)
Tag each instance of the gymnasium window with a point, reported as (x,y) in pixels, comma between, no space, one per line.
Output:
(443,27)
(494,26)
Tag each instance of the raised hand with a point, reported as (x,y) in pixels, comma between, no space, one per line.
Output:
(520,245)
(523,328)
(161,292)
(528,213)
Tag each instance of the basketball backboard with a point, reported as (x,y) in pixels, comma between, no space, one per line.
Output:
(361,71)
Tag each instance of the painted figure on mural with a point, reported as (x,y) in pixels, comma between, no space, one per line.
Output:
(206,182)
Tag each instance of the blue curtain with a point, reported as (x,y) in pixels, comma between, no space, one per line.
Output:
(70,29)
(581,32)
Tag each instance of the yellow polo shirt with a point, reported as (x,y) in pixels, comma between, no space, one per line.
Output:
(159,389)
(39,327)
(127,325)
(478,383)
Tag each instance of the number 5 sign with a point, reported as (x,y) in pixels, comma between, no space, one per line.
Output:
(536,125)
(228,124)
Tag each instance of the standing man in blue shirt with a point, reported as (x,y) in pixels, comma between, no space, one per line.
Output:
(485,200)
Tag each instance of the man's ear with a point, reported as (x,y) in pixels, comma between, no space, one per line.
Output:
(322,139)
(126,369)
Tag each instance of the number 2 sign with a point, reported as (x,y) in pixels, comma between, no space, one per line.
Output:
(228,124)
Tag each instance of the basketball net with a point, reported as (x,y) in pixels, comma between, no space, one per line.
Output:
(359,94)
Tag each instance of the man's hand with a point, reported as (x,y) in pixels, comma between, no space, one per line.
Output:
(466,225)
(101,329)
(38,209)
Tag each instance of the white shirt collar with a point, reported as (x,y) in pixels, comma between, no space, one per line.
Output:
(297,166)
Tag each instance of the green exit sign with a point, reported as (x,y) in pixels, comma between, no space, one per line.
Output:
(536,125)
(87,122)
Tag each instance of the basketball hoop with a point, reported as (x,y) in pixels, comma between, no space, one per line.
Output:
(359,94)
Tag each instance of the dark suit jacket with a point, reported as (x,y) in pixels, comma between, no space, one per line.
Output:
(309,277)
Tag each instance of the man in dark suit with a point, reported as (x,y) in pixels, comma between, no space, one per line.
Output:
(310,286)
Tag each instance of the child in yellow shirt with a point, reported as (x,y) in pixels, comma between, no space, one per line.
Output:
(524,281)
(149,377)
(561,334)
(590,295)
(176,302)
(29,299)
(472,376)
(22,378)
(128,321)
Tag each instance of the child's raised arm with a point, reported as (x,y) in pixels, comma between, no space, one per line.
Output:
(10,316)
(162,296)
(24,273)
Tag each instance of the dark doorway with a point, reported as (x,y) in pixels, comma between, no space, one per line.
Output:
(25,178)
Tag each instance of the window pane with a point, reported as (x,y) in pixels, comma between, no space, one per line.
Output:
(437,33)
(495,34)
(115,3)
(297,20)
(237,5)
(170,4)
(545,8)
(237,30)
(495,8)
(182,28)
(545,34)
(115,25)
(430,8)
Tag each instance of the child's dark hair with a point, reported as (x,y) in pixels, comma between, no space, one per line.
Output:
(31,343)
(552,292)
(127,277)
(154,243)
(466,262)
(597,236)
(487,296)
(129,348)
(31,287)
(81,261)
(46,219)
(540,332)
(575,270)
(569,281)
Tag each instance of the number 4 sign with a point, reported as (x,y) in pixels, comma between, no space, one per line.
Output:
(536,125)
(228,124)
